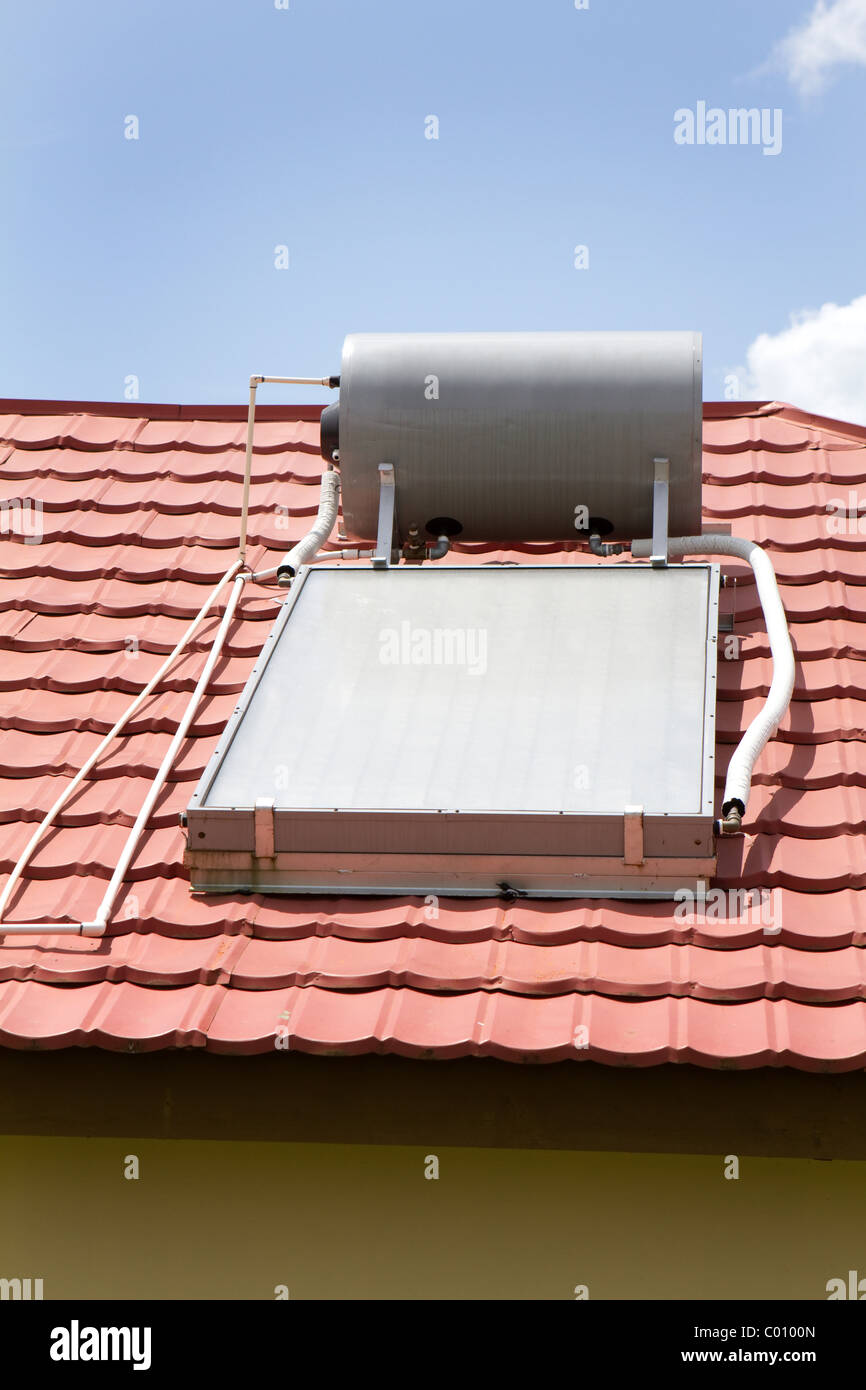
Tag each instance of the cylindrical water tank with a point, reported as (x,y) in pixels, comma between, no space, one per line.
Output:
(518,436)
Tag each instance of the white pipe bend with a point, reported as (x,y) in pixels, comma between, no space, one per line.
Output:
(766,722)
(312,542)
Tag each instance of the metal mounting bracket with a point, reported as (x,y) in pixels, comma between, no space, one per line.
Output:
(263,827)
(633,852)
(661,480)
(387,503)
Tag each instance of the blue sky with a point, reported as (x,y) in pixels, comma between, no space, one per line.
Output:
(304,127)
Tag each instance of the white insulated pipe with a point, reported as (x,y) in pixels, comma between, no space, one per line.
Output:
(248,469)
(766,722)
(50,816)
(99,923)
(326,520)
(255,383)
(320,558)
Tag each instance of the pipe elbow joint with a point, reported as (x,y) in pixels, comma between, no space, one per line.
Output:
(440,549)
(603,548)
(732,817)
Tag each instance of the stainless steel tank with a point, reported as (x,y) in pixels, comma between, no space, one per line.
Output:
(518,436)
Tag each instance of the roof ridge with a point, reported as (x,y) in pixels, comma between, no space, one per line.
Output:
(10,405)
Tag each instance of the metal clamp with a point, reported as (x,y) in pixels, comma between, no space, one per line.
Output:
(661,483)
(387,505)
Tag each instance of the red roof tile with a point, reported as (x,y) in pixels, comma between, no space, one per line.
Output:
(140,508)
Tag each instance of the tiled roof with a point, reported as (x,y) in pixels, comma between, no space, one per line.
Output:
(140,510)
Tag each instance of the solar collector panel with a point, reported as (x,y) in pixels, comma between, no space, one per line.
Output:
(534,691)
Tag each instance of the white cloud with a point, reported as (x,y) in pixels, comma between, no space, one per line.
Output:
(834,33)
(818,363)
